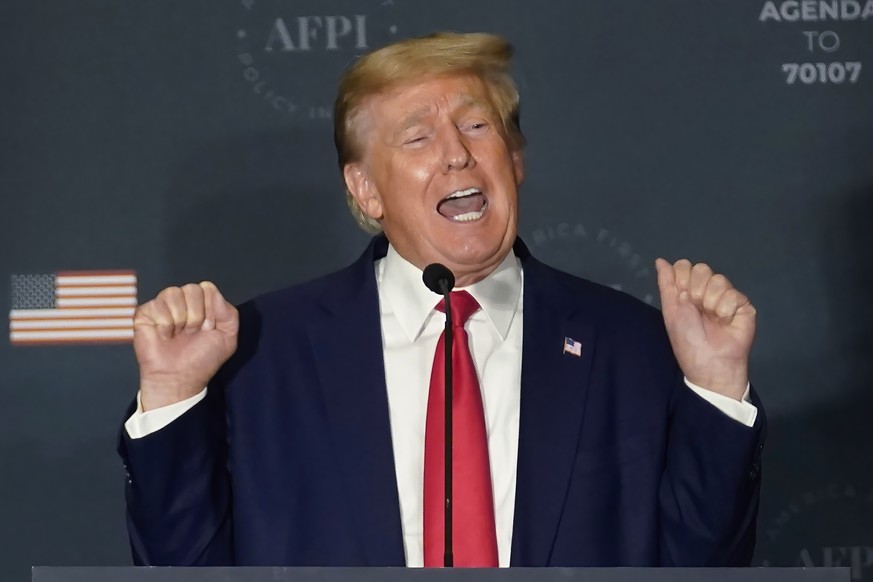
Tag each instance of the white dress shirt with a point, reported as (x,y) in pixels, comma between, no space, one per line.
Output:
(410,330)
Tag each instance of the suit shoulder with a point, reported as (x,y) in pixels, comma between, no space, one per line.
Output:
(275,323)
(298,299)
(623,322)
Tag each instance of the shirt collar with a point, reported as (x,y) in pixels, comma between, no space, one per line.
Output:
(413,304)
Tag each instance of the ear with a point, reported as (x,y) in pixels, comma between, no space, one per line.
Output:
(518,166)
(363,190)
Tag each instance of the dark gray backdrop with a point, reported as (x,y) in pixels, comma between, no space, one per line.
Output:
(182,140)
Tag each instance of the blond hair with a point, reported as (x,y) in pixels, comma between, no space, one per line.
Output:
(486,56)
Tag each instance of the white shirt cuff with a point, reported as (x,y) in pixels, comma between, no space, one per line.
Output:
(742,411)
(142,424)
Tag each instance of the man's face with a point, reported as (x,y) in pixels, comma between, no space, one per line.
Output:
(438,174)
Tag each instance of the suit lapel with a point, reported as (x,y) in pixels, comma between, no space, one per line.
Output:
(553,392)
(347,343)
(348,355)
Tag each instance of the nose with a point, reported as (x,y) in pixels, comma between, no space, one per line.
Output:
(456,152)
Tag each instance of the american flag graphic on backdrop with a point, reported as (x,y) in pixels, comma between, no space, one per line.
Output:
(73,307)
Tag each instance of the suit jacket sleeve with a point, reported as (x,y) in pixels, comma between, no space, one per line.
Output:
(178,491)
(178,494)
(710,488)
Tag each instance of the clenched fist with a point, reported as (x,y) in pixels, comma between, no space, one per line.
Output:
(181,338)
(710,323)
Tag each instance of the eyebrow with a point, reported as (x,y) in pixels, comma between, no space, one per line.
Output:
(413,118)
(474,102)
(463,101)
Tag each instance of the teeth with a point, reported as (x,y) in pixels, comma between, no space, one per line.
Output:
(462,193)
(469,216)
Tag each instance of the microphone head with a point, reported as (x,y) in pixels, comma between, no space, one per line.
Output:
(438,278)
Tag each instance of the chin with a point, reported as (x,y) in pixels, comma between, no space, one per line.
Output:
(473,252)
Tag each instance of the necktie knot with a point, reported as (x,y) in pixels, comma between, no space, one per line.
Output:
(463,306)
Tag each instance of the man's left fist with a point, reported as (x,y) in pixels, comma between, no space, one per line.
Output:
(711,326)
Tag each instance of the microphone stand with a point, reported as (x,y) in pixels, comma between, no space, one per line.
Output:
(448,558)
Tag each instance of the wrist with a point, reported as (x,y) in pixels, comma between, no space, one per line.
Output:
(730,383)
(159,392)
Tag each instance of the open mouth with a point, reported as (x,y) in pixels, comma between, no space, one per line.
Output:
(463,205)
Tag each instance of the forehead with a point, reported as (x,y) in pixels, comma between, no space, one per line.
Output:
(409,101)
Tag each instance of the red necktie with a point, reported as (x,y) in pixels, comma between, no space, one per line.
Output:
(474,535)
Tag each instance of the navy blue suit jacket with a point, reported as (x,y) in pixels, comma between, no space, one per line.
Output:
(288,460)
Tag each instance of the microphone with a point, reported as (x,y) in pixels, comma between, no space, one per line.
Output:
(439,279)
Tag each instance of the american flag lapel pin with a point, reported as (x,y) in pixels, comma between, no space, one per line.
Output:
(572,347)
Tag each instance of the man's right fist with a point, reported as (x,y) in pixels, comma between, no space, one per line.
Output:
(181,338)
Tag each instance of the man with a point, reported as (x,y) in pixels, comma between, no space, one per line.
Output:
(314,443)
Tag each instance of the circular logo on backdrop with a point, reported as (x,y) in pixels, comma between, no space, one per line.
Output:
(825,527)
(598,254)
(291,53)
